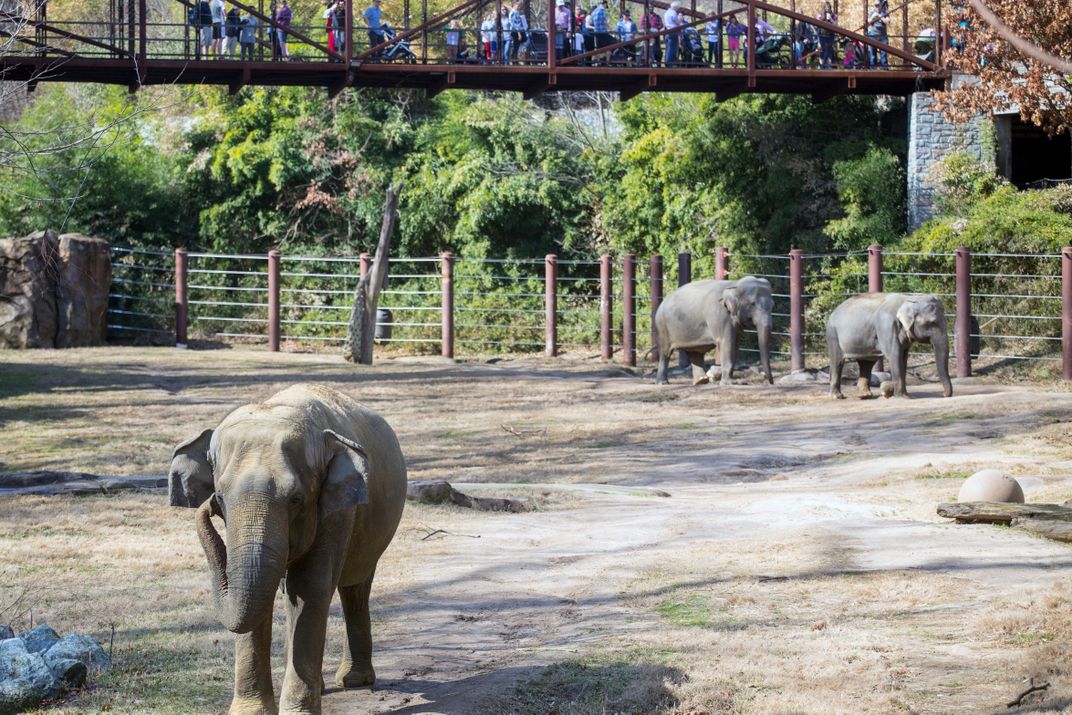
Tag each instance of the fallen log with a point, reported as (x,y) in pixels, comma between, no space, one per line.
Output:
(989,512)
(1055,529)
(440,492)
(55,483)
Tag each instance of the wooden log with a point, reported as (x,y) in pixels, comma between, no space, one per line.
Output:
(439,492)
(987,512)
(1055,529)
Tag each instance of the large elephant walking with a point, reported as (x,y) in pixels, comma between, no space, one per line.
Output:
(310,486)
(868,327)
(702,315)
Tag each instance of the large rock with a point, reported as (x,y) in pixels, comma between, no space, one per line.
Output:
(53,290)
(27,291)
(25,678)
(75,646)
(82,283)
(991,485)
(40,639)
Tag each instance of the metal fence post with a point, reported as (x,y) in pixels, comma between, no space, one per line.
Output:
(796,309)
(874,278)
(722,263)
(963,320)
(447,304)
(629,309)
(273,300)
(874,268)
(550,301)
(656,271)
(366,264)
(606,310)
(684,276)
(181,297)
(1066,312)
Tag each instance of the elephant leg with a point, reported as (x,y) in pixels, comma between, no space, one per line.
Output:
(660,374)
(699,373)
(837,364)
(356,668)
(863,384)
(727,352)
(901,383)
(253,691)
(308,598)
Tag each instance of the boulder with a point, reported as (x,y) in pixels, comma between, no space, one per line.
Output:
(27,291)
(25,678)
(75,646)
(991,485)
(40,639)
(53,290)
(69,672)
(83,279)
(6,632)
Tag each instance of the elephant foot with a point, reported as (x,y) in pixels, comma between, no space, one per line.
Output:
(837,395)
(250,706)
(356,677)
(701,380)
(662,381)
(865,395)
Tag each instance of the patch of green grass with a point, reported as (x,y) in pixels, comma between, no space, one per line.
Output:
(693,611)
(945,474)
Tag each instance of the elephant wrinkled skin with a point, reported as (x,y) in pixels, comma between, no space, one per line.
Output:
(868,327)
(310,486)
(702,315)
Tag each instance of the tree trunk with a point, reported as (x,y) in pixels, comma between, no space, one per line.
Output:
(362,331)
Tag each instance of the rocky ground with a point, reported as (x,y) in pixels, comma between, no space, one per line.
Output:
(752,549)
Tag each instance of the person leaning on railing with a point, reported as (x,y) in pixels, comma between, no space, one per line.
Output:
(735,30)
(563,19)
(601,29)
(653,23)
(673,20)
(335,15)
(627,30)
(283,17)
(219,16)
(714,42)
(374,22)
(233,24)
(204,18)
(876,30)
(827,55)
(247,38)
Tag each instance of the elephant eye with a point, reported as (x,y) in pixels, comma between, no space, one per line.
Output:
(296,500)
(216,505)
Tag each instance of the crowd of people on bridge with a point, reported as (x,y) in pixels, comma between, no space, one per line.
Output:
(678,37)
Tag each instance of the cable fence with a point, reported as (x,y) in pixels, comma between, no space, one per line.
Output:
(1017,307)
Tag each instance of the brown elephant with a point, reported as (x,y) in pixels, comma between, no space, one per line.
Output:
(310,486)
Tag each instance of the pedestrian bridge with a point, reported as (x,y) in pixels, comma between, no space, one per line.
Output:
(151,42)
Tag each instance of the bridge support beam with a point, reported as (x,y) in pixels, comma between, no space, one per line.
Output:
(235,85)
(537,88)
(339,85)
(444,82)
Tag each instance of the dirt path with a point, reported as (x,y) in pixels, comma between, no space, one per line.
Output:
(750,549)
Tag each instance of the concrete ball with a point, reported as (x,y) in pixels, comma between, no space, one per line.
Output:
(991,485)
(886,388)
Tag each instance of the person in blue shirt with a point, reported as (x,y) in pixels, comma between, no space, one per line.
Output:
(602,30)
(373,21)
(627,30)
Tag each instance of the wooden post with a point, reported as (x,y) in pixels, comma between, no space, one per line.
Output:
(181,297)
(629,309)
(348,32)
(656,271)
(796,309)
(1066,312)
(684,277)
(606,309)
(963,320)
(552,31)
(273,300)
(447,321)
(722,263)
(550,302)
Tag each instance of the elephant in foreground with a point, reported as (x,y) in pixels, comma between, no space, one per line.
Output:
(868,327)
(310,486)
(701,315)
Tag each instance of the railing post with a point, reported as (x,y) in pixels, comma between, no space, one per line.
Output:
(550,302)
(874,268)
(142,37)
(552,31)
(1066,312)
(684,277)
(722,263)
(348,32)
(181,297)
(656,271)
(629,310)
(963,323)
(273,300)
(796,309)
(366,264)
(606,310)
(447,304)
(874,279)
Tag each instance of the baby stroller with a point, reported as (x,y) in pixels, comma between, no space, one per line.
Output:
(692,51)
(398,51)
(924,45)
(533,50)
(769,52)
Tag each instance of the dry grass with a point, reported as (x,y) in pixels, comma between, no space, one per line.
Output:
(797,565)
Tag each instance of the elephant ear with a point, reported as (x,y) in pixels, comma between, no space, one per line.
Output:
(732,301)
(344,484)
(906,316)
(190,480)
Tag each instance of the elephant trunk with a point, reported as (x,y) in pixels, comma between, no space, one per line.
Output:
(940,343)
(763,330)
(245,573)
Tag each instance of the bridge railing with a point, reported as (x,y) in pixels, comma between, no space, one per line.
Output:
(1013,308)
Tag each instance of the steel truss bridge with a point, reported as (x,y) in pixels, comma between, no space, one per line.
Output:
(137,44)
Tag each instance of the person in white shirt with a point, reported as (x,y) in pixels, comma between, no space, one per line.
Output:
(714,42)
(219,15)
(671,20)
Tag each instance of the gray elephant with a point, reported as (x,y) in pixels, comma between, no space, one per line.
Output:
(868,327)
(310,486)
(702,315)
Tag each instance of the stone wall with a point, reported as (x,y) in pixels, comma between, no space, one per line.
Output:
(53,290)
(930,137)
